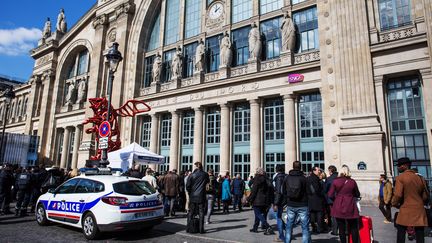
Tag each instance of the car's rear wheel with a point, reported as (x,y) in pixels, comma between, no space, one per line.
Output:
(41,217)
(89,227)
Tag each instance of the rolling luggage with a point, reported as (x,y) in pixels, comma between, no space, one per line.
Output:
(366,230)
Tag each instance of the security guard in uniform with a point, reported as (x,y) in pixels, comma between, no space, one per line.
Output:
(24,183)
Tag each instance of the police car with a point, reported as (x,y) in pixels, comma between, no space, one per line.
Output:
(98,203)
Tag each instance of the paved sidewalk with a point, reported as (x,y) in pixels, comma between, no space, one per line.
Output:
(235,228)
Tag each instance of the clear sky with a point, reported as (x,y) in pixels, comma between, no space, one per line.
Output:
(21,24)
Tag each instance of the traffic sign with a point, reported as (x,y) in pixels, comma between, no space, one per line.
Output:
(103,143)
(104,129)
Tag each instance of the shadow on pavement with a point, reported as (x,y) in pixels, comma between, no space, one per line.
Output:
(227,221)
(225,228)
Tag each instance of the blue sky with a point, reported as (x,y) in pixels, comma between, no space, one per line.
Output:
(21,24)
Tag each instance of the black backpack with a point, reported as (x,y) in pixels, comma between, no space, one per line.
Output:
(294,188)
(270,192)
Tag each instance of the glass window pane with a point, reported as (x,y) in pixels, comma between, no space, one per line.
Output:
(172,22)
(154,36)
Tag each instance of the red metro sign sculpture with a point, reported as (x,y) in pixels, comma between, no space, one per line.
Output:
(100,108)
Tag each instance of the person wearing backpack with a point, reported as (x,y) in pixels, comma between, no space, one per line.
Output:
(260,202)
(279,201)
(24,182)
(210,191)
(296,192)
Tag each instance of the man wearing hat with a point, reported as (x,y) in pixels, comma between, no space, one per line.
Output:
(410,196)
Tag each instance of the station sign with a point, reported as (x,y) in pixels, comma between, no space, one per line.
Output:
(295,78)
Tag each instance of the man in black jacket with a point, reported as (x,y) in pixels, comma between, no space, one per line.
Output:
(196,187)
(279,201)
(295,190)
(333,175)
(260,202)
(316,200)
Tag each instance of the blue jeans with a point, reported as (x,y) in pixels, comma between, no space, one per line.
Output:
(260,216)
(303,214)
(280,223)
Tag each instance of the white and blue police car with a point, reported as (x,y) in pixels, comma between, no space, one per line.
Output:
(101,202)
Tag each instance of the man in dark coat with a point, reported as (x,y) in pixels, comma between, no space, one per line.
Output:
(259,200)
(238,186)
(315,200)
(295,189)
(6,183)
(333,174)
(171,184)
(196,187)
(279,201)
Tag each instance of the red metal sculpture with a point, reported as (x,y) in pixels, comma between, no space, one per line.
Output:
(100,107)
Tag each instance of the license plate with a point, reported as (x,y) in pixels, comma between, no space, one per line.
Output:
(144,215)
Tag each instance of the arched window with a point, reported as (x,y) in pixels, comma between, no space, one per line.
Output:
(154,36)
(24,110)
(18,109)
(78,66)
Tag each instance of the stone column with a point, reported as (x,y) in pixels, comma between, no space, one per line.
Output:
(225,139)
(198,135)
(154,136)
(77,139)
(290,131)
(174,146)
(65,148)
(255,132)
(426,75)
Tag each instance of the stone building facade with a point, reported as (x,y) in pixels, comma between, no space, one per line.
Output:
(354,89)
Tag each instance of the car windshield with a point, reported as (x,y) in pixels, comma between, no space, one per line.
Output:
(135,188)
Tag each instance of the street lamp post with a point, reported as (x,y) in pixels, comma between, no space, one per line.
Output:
(9,94)
(114,57)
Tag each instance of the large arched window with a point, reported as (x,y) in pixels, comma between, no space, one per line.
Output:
(24,112)
(75,84)
(18,109)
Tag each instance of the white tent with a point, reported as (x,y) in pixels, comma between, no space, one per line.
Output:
(124,158)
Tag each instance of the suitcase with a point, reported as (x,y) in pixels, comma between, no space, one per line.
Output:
(193,226)
(365,230)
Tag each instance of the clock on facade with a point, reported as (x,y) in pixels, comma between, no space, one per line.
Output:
(215,14)
(216,10)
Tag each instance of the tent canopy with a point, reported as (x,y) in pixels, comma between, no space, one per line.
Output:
(124,158)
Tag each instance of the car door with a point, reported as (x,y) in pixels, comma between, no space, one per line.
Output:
(61,203)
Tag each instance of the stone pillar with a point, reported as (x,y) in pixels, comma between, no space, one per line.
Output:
(290,131)
(198,135)
(174,146)
(154,136)
(65,148)
(426,75)
(255,132)
(225,139)
(77,139)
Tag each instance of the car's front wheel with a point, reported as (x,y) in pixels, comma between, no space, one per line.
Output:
(41,217)
(89,227)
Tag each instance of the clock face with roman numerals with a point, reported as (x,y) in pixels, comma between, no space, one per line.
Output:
(216,11)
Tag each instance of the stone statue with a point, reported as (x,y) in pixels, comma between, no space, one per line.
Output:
(288,33)
(157,66)
(199,56)
(47,29)
(69,95)
(254,42)
(176,64)
(226,52)
(82,91)
(61,22)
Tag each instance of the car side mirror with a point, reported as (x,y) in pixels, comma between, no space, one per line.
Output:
(52,190)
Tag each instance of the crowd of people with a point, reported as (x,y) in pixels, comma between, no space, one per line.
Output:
(25,185)
(316,202)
